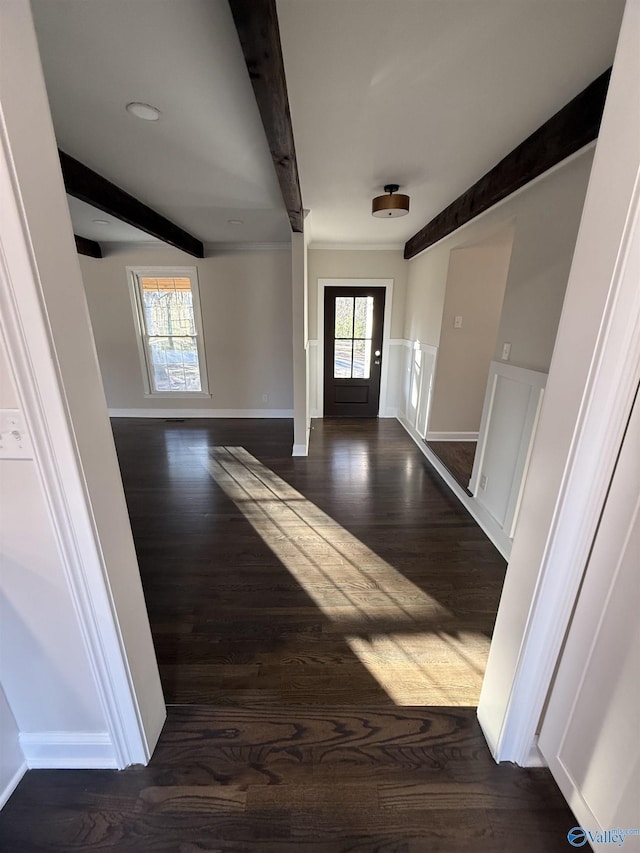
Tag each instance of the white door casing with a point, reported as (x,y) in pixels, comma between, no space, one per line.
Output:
(589,736)
(594,372)
(387,283)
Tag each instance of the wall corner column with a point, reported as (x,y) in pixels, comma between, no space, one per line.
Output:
(300,342)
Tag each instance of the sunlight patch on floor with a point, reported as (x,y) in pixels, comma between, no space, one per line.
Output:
(406,639)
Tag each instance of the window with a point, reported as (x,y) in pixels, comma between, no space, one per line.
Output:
(353,334)
(167,311)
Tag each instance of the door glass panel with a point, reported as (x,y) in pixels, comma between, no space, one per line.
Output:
(344,317)
(363,319)
(361,359)
(342,360)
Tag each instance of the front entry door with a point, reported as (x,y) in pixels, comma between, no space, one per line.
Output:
(353,318)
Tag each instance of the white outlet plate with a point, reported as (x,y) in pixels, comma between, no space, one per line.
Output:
(15,442)
(483,481)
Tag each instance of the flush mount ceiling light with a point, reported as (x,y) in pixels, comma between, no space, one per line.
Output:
(235,221)
(390,205)
(101,221)
(143,111)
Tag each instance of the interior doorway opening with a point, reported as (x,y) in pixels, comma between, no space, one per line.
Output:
(476,282)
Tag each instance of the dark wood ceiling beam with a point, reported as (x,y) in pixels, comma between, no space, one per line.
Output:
(574,126)
(257,25)
(82,182)
(87,247)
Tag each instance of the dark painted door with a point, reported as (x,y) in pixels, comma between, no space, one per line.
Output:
(353,318)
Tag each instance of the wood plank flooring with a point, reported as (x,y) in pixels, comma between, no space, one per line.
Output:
(323,780)
(458,457)
(320,626)
(382,571)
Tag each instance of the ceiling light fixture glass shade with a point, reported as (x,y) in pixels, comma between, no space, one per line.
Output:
(390,205)
(143,111)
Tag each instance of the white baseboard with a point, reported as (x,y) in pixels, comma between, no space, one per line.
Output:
(12,784)
(389,412)
(302,449)
(200,413)
(452,436)
(479,513)
(68,750)
(535,757)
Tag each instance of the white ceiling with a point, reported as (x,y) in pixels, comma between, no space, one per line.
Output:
(206,160)
(86,223)
(429,94)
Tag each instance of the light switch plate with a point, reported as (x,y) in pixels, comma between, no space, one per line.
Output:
(506,351)
(457,321)
(15,442)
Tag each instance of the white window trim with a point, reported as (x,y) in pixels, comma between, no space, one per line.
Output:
(133,274)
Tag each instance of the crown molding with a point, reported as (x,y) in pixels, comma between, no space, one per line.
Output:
(227,248)
(358,247)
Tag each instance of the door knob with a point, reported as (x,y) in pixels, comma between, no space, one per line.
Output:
(377,353)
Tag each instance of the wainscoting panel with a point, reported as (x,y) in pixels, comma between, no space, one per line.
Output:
(396,364)
(315,408)
(420,365)
(392,390)
(509,417)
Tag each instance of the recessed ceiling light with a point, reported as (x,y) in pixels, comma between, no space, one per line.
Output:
(101,221)
(235,221)
(143,111)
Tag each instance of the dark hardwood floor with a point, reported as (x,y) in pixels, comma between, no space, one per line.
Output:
(382,565)
(322,627)
(318,780)
(457,456)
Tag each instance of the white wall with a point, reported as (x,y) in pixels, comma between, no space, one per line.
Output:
(589,735)
(39,631)
(354,263)
(360,264)
(246,313)
(81,634)
(12,764)
(475,289)
(593,376)
(546,215)
(547,220)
